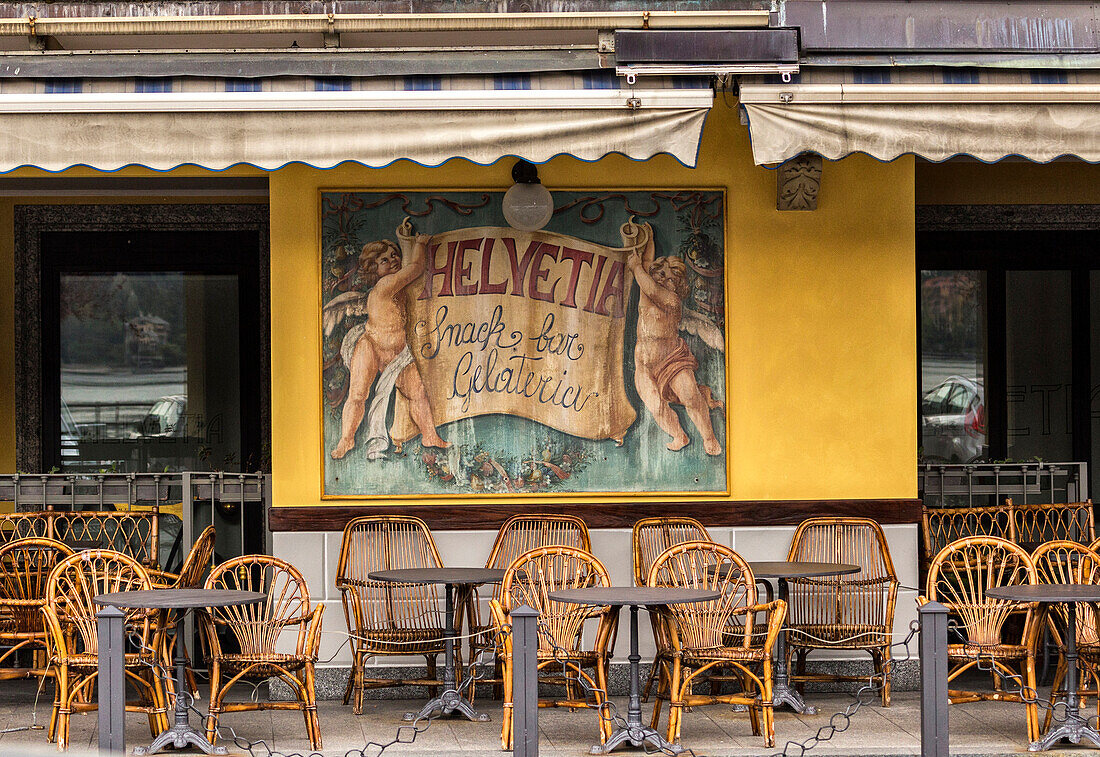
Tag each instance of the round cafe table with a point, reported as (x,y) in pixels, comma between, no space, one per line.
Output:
(782,571)
(180,733)
(637,733)
(451,578)
(1075,727)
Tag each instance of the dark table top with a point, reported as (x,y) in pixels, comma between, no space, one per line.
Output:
(167,599)
(784,569)
(633,595)
(457,576)
(1047,593)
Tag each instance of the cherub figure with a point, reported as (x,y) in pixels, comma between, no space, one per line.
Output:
(378,348)
(664,368)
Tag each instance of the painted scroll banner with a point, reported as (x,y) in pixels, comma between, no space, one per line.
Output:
(529,324)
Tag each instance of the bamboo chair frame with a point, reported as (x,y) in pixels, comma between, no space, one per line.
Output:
(25,567)
(705,637)
(1070,562)
(386,619)
(649,538)
(959,577)
(516,536)
(73,642)
(842,612)
(257,629)
(528,581)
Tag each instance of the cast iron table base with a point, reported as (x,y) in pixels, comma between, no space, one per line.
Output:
(449,701)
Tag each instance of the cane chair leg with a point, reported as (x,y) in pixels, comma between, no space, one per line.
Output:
(800,671)
(433,691)
(1033,733)
(675,702)
(769,710)
(359,684)
(351,681)
(601,697)
(506,714)
(309,710)
(881,659)
(653,673)
(215,704)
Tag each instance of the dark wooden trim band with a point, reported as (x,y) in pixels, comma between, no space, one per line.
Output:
(612,515)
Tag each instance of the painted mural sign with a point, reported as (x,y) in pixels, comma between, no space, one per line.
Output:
(461,356)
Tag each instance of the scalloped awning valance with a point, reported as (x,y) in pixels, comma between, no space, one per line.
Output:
(935,113)
(324,122)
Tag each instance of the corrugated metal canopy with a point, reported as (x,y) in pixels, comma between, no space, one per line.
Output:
(165,123)
(934,113)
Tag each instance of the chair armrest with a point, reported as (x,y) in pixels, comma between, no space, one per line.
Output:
(163,579)
(309,633)
(500,620)
(55,636)
(776,612)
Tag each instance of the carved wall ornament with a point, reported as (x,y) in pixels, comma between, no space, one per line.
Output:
(798,182)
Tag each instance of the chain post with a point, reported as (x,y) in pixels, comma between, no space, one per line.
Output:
(934,731)
(525,685)
(112,681)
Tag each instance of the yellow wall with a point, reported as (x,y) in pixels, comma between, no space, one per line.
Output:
(971,182)
(822,314)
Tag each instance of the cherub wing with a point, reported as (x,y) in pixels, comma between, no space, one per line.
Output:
(696,323)
(339,308)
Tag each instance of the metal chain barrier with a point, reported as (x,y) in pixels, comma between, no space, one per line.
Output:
(405,734)
(840,722)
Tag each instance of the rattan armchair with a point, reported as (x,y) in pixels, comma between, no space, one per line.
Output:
(528,581)
(73,642)
(649,538)
(517,535)
(716,635)
(25,566)
(959,577)
(1069,562)
(842,612)
(256,629)
(388,618)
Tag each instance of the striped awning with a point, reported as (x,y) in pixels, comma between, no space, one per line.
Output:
(216,123)
(935,113)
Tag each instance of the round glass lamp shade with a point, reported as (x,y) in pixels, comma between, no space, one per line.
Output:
(527,206)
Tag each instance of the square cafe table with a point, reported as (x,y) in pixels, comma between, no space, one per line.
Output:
(637,733)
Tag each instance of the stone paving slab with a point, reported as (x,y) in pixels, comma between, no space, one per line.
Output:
(978,729)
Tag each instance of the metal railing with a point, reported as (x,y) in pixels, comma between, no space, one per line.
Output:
(989,483)
(30,492)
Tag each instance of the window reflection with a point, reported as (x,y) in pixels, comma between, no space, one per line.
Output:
(149,371)
(953,365)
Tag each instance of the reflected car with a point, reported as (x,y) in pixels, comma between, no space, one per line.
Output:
(953,420)
(166,418)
